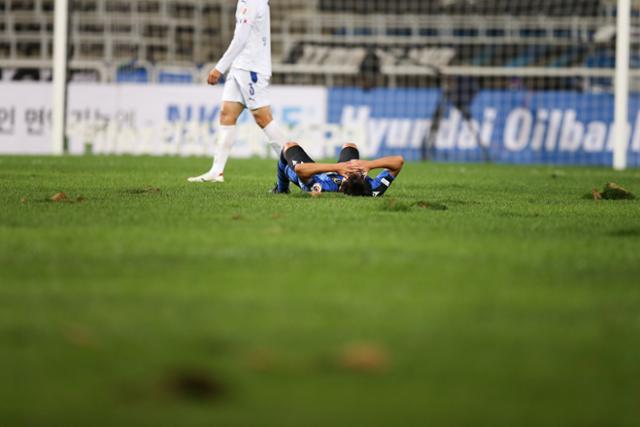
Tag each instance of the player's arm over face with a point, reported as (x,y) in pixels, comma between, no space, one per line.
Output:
(393,164)
(307,170)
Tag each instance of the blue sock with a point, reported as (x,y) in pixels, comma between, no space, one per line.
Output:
(283,180)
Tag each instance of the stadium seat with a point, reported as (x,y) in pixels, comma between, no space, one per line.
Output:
(449,7)
(133,72)
(567,58)
(175,74)
(528,57)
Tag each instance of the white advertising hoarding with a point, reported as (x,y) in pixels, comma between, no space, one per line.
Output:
(25,118)
(152,119)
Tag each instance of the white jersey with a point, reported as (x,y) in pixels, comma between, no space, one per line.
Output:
(250,48)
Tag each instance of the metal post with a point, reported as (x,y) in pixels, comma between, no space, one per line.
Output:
(621,127)
(60,40)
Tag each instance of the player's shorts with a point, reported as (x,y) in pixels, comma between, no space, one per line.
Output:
(296,155)
(349,153)
(247,88)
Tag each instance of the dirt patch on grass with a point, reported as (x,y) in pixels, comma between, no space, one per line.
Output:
(80,336)
(611,191)
(60,197)
(434,206)
(262,360)
(194,384)
(367,358)
(142,191)
(395,205)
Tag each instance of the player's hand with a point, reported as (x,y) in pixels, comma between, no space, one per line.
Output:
(348,168)
(214,77)
(361,165)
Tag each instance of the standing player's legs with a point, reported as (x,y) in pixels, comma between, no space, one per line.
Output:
(243,89)
(226,138)
(255,92)
(264,119)
(233,104)
(227,135)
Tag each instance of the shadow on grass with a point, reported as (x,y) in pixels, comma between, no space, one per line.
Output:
(626,232)
(395,205)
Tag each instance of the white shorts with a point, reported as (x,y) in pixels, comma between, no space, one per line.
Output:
(248,88)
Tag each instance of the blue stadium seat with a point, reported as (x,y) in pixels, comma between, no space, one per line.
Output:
(428,32)
(565,59)
(363,31)
(529,57)
(399,32)
(466,32)
(601,59)
(484,57)
(173,77)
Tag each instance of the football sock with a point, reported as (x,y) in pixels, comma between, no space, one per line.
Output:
(275,135)
(283,180)
(226,139)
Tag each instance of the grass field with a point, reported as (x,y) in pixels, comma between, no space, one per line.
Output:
(153,302)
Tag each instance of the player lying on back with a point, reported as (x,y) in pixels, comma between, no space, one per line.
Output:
(348,176)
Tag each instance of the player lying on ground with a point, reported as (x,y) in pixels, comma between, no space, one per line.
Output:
(348,176)
(248,61)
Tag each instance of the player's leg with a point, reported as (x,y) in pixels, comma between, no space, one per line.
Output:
(282,178)
(291,155)
(349,152)
(295,155)
(264,119)
(233,105)
(228,132)
(226,138)
(255,90)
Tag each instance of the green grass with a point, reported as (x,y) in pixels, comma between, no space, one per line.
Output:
(498,295)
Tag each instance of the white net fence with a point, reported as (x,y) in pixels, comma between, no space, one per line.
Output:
(447,80)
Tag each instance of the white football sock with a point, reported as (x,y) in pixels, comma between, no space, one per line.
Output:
(276,135)
(226,139)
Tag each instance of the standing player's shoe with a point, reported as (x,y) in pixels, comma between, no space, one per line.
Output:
(207,177)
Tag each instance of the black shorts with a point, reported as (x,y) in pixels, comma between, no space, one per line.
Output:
(296,155)
(349,153)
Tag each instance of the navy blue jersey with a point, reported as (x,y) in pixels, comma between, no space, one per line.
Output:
(328,182)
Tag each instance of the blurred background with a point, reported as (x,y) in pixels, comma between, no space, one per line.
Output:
(465,80)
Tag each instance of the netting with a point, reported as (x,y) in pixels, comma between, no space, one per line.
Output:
(445,80)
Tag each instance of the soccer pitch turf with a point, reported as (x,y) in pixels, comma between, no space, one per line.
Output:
(152,301)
